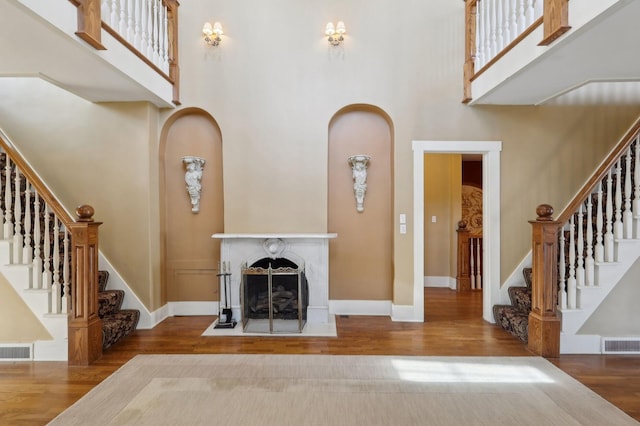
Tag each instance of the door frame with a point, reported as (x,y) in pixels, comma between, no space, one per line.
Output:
(490,151)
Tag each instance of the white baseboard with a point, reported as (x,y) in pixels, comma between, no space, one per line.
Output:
(580,344)
(405,313)
(446,282)
(360,307)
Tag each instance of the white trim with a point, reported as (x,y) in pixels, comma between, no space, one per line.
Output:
(360,307)
(445,282)
(490,151)
(580,344)
(405,313)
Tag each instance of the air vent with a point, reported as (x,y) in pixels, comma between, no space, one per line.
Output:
(621,345)
(16,352)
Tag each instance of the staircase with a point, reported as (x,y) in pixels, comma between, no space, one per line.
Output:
(514,318)
(598,241)
(117,323)
(37,245)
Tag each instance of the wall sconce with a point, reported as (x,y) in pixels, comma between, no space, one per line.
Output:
(208,30)
(335,33)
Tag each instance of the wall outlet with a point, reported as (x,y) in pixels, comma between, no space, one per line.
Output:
(403,218)
(433,219)
(403,229)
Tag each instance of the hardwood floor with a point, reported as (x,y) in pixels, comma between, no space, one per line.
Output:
(33,393)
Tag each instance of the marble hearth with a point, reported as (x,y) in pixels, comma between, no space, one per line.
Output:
(310,251)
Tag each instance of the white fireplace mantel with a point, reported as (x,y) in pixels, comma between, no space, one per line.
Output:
(307,250)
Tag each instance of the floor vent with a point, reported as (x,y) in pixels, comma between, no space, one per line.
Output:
(16,352)
(621,345)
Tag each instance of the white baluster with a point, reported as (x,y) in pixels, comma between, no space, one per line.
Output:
(105,10)
(589,263)
(122,21)
(636,186)
(480,43)
(580,248)
(8,224)
(137,25)
(2,213)
(599,249)
(54,299)
(493,26)
(130,29)
(617,226)
(499,27)
(36,269)
(66,284)
(627,215)
(538,9)
(506,5)
(154,58)
(513,19)
(562,280)
(113,18)
(149,48)
(46,251)
(17,214)
(144,21)
(478,263)
(27,251)
(529,18)
(522,23)
(472,265)
(608,236)
(56,265)
(165,40)
(571,282)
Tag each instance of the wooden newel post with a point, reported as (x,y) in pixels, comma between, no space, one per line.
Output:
(544,322)
(85,326)
(463,276)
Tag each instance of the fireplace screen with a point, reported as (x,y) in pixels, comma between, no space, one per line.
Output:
(274,296)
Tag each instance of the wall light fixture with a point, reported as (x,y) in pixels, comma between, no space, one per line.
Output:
(335,33)
(212,33)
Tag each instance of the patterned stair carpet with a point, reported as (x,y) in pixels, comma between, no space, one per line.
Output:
(515,317)
(117,323)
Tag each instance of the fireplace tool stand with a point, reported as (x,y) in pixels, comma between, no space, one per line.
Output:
(225,315)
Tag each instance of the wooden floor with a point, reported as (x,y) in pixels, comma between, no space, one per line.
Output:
(34,393)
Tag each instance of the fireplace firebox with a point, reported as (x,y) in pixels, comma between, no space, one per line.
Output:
(274,296)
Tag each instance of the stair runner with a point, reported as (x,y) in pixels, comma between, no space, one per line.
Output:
(514,318)
(117,323)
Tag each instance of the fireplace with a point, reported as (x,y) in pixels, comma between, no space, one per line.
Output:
(308,253)
(274,296)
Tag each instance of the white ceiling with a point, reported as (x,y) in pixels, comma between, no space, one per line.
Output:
(597,63)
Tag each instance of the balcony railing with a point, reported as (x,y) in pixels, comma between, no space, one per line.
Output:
(494,27)
(149,28)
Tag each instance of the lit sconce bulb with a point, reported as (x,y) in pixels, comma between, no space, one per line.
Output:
(209,31)
(335,33)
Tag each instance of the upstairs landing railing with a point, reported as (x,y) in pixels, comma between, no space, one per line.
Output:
(493,27)
(62,252)
(149,28)
(567,249)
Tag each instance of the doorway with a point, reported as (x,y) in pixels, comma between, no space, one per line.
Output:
(490,151)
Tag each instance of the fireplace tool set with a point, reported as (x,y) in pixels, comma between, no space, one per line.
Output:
(225,315)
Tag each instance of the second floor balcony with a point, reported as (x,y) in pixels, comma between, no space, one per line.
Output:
(102,51)
(533,52)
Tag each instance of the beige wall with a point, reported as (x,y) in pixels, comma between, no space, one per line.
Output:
(360,258)
(190,255)
(442,199)
(28,328)
(272,87)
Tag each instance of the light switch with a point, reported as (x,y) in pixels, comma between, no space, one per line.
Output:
(403,229)
(433,219)
(403,218)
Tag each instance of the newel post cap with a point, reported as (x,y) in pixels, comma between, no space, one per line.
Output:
(85,213)
(544,212)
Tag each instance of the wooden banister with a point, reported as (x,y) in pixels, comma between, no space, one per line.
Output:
(600,173)
(89,22)
(544,322)
(469,48)
(85,325)
(556,20)
(463,276)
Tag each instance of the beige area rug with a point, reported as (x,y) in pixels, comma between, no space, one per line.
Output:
(235,390)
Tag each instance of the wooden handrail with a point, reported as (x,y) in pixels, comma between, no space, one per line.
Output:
(556,20)
(41,188)
(600,173)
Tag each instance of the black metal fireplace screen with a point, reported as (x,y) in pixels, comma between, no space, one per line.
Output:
(274,297)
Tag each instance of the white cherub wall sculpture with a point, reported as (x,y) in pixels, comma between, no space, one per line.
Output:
(359,164)
(193,179)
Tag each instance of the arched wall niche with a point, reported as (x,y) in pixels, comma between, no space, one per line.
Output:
(361,258)
(189,254)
